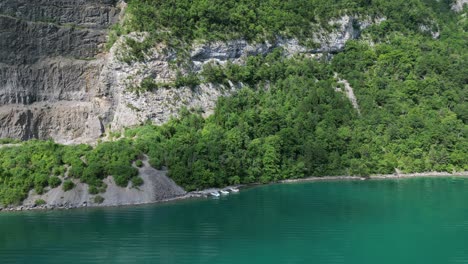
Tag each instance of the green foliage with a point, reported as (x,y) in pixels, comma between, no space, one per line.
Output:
(40,202)
(139,163)
(93,190)
(137,181)
(259,20)
(136,50)
(54,181)
(26,167)
(191,80)
(148,84)
(9,141)
(98,199)
(68,185)
(180,22)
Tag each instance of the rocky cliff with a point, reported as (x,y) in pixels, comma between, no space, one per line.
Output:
(159,106)
(50,67)
(56,81)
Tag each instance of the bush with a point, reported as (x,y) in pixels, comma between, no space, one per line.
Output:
(76,170)
(93,190)
(98,199)
(39,189)
(121,180)
(54,181)
(93,172)
(139,163)
(137,181)
(39,202)
(68,185)
(148,85)
(40,180)
(190,80)
(102,188)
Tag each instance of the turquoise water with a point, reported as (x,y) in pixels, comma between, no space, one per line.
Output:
(401,221)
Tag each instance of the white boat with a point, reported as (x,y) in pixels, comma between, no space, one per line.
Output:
(234,190)
(214,194)
(223,192)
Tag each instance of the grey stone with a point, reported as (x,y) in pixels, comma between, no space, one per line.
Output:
(458,5)
(50,67)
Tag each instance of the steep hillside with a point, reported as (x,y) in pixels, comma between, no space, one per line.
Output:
(244,91)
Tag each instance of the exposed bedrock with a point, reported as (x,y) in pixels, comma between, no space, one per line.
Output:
(56,83)
(50,68)
(160,105)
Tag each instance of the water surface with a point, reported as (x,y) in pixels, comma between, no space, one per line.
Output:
(394,221)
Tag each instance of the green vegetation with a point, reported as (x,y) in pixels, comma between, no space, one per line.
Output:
(68,185)
(98,199)
(40,202)
(93,190)
(288,121)
(180,22)
(186,20)
(139,163)
(9,141)
(54,181)
(137,181)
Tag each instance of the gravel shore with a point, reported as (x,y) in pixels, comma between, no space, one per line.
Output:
(160,188)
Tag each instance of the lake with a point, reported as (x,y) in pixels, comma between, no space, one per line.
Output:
(421,220)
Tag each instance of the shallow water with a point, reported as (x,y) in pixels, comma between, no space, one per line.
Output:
(390,221)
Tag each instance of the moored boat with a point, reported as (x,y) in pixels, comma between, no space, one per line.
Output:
(214,194)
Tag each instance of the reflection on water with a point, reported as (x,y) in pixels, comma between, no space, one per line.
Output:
(401,221)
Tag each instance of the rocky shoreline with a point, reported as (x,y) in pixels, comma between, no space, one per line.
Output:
(380,176)
(207,192)
(67,206)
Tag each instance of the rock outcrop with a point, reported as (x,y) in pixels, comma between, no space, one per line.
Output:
(159,106)
(56,82)
(156,187)
(458,5)
(50,68)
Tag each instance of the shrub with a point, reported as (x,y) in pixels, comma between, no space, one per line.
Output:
(76,171)
(68,185)
(54,181)
(121,180)
(39,189)
(39,202)
(40,180)
(103,188)
(93,172)
(98,199)
(148,85)
(191,80)
(139,163)
(137,181)
(93,190)
(58,171)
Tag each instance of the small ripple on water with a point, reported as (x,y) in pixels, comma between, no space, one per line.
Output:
(303,223)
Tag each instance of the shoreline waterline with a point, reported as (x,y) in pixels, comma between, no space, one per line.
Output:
(463,174)
(206,192)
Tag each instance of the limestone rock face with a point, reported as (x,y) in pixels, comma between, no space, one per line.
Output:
(57,83)
(50,67)
(458,5)
(130,108)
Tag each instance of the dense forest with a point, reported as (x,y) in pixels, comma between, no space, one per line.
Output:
(289,120)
